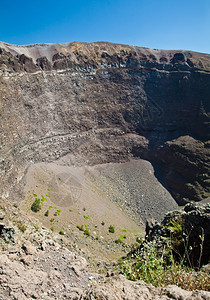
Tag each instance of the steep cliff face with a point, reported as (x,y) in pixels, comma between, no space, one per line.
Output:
(87,104)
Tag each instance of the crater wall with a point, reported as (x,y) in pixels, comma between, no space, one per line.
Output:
(86,104)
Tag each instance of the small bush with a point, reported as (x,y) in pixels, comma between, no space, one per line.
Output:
(52,228)
(85,217)
(122,236)
(36,206)
(85,230)
(46,213)
(43,199)
(111,229)
(22,227)
(61,232)
(80,227)
(118,241)
(57,213)
(36,226)
(103,223)
(139,240)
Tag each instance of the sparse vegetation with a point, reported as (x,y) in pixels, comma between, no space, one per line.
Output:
(85,217)
(151,267)
(103,223)
(52,228)
(167,262)
(61,232)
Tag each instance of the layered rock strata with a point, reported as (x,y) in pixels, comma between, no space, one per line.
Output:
(87,104)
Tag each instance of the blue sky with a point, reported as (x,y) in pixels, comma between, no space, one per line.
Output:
(165,24)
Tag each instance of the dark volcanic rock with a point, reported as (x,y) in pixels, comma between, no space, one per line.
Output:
(103,102)
(186,168)
(44,63)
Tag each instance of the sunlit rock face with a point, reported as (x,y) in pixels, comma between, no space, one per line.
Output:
(83,104)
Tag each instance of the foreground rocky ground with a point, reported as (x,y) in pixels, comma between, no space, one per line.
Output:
(38,264)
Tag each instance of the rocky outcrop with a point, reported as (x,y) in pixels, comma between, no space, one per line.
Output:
(87,104)
(186,168)
(120,288)
(187,231)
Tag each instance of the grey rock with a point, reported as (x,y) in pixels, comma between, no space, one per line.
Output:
(7,233)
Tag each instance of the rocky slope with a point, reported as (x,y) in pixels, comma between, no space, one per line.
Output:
(86,104)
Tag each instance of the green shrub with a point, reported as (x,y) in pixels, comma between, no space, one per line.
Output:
(85,217)
(36,205)
(52,228)
(122,236)
(102,223)
(46,213)
(111,229)
(61,232)
(86,231)
(43,199)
